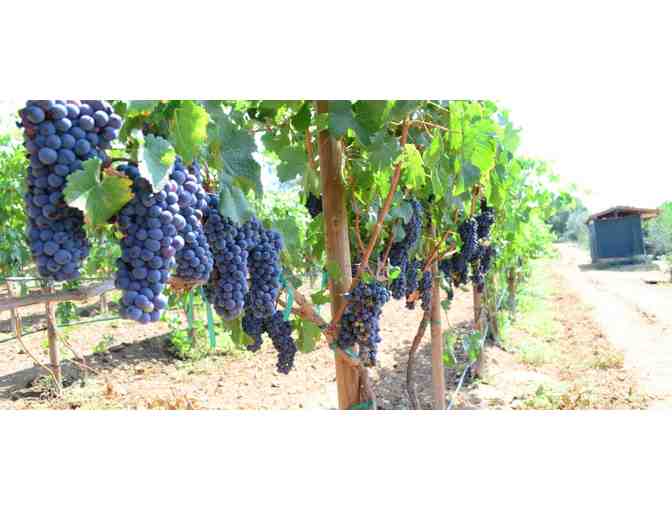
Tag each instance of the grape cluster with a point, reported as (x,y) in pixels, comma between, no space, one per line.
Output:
(455,269)
(150,224)
(485,220)
(468,231)
(313,204)
(412,281)
(194,260)
(399,252)
(58,136)
(263,265)
(280,332)
(227,286)
(254,328)
(426,290)
(360,323)
(481,266)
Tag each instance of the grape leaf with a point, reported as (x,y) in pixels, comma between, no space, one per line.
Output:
(141,106)
(383,150)
(301,120)
(372,115)
(289,231)
(293,162)
(334,270)
(341,118)
(98,199)
(189,129)
(309,334)
(471,174)
(233,150)
(155,160)
(413,171)
(232,202)
(320,297)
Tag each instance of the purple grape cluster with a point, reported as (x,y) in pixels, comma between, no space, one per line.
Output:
(455,269)
(485,219)
(426,290)
(254,328)
(468,231)
(400,250)
(227,286)
(59,135)
(280,332)
(412,281)
(314,205)
(150,224)
(360,323)
(263,264)
(194,260)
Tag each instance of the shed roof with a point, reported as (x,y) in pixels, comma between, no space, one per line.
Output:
(625,210)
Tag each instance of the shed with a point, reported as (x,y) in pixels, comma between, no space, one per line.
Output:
(616,235)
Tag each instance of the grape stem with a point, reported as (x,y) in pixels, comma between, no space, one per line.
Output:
(375,232)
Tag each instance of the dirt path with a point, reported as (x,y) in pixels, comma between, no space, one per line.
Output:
(635,316)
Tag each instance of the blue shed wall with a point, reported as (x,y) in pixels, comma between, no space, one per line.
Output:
(619,237)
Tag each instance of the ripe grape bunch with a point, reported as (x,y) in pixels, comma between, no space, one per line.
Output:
(426,290)
(314,205)
(360,323)
(227,286)
(455,269)
(399,252)
(412,281)
(468,231)
(485,220)
(280,332)
(59,135)
(150,224)
(194,260)
(264,268)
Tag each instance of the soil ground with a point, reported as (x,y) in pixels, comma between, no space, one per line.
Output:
(555,356)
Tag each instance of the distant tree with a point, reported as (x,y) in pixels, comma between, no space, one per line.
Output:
(658,231)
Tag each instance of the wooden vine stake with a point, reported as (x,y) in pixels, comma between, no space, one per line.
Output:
(52,336)
(438,372)
(337,244)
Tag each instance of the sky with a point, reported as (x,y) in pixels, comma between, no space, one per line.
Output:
(614,149)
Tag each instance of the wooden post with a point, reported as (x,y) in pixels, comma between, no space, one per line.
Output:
(104,309)
(438,371)
(52,335)
(16,316)
(337,244)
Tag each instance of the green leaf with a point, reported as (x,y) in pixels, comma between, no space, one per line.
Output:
(155,160)
(293,162)
(233,150)
(301,120)
(413,171)
(232,202)
(372,115)
(141,106)
(309,334)
(98,200)
(471,174)
(341,118)
(289,230)
(189,130)
(320,297)
(401,108)
(394,273)
(383,150)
